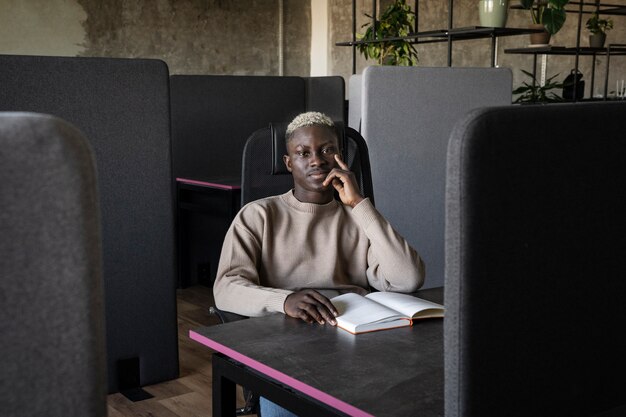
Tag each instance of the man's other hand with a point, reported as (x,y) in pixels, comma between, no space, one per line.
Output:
(344,182)
(310,306)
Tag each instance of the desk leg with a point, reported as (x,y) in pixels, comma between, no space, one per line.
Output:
(224,401)
(227,373)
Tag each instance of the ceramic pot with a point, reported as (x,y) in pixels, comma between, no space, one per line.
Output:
(493,13)
(539,38)
(597,40)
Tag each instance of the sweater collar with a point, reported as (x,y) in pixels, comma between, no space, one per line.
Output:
(293,202)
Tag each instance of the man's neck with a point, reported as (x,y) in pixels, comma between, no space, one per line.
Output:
(313,198)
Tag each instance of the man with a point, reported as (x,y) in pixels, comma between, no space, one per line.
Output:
(291,253)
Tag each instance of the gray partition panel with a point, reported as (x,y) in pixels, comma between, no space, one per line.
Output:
(122,107)
(408,114)
(213,116)
(535,238)
(52,343)
(326,95)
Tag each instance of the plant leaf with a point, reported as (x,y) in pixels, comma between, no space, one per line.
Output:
(553,19)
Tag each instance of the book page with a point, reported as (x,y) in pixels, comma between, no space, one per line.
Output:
(355,310)
(408,305)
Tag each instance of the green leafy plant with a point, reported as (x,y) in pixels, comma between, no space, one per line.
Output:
(395,22)
(550,13)
(535,93)
(596,25)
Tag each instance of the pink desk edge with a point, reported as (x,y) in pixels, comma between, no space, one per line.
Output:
(209,184)
(279,376)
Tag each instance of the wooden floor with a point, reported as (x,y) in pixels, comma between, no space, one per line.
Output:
(189,395)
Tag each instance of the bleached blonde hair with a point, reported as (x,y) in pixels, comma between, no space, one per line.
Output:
(312,118)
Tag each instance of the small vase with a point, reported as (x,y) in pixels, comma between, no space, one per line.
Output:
(493,13)
(539,38)
(597,40)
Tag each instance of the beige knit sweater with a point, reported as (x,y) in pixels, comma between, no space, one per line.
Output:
(278,245)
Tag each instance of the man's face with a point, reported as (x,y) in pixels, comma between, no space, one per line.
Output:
(311,156)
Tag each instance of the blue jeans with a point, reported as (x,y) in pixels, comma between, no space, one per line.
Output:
(270,409)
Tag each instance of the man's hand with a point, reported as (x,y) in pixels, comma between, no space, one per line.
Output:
(345,183)
(310,306)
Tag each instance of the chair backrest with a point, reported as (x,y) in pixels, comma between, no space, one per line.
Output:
(52,348)
(535,288)
(264,173)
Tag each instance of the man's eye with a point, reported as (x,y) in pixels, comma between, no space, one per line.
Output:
(328,150)
(303,153)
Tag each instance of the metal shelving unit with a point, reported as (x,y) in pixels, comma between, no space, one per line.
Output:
(478,32)
(578,51)
(442,35)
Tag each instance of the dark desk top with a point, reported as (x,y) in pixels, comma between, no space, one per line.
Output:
(391,372)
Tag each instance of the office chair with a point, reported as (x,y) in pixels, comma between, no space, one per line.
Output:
(534,286)
(264,174)
(52,349)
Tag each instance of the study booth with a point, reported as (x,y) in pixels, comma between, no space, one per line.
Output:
(406,116)
(534,311)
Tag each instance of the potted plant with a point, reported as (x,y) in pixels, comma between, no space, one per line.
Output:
(395,22)
(547,14)
(598,28)
(534,93)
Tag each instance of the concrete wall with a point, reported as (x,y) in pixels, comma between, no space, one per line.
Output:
(41,27)
(192,36)
(242,36)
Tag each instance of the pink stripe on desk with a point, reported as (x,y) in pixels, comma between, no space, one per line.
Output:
(279,376)
(209,184)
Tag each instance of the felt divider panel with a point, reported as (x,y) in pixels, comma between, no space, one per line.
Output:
(535,289)
(122,107)
(52,352)
(213,116)
(408,114)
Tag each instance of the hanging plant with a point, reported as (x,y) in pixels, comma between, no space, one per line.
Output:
(396,21)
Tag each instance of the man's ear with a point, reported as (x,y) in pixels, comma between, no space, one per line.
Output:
(287,162)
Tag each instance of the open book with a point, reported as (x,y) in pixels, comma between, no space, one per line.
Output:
(381,310)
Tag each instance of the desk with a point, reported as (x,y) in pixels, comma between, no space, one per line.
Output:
(323,370)
(205,210)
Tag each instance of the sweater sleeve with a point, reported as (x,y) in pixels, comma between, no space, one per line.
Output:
(392,264)
(236,287)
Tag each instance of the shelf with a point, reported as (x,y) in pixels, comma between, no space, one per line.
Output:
(562,50)
(618,11)
(606,9)
(478,32)
(441,35)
